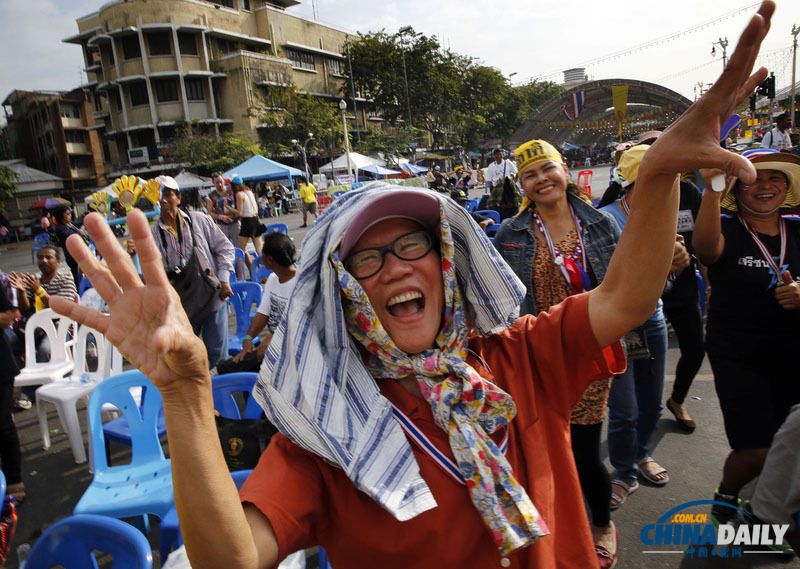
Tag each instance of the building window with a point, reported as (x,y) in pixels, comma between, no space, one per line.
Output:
(159,43)
(166,90)
(98,103)
(187,43)
(246,5)
(301,59)
(194,89)
(117,101)
(75,136)
(131,48)
(109,52)
(138,92)
(226,3)
(70,111)
(226,46)
(336,66)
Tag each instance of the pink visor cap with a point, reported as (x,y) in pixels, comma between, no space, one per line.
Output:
(418,205)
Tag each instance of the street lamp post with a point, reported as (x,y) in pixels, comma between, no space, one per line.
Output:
(723,43)
(303,149)
(343,107)
(402,32)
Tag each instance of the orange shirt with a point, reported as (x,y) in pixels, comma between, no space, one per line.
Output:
(545,362)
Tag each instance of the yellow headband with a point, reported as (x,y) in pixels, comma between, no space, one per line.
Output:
(535,151)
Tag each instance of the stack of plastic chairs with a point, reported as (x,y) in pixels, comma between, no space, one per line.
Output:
(245,300)
(585,180)
(65,393)
(60,364)
(72,542)
(145,485)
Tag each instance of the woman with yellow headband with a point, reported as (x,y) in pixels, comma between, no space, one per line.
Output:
(559,245)
(752,252)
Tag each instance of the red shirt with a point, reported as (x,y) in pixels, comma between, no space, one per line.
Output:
(545,363)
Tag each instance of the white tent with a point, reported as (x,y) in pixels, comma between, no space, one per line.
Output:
(109,189)
(187,180)
(357,161)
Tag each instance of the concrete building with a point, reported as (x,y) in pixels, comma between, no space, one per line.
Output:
(55,132)
(154,66)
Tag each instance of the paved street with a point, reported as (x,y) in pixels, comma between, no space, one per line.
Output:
(55,483)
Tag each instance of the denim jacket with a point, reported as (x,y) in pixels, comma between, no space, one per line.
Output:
(516,242)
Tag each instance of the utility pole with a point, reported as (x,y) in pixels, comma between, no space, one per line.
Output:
(352,86)
(723,43)
(795,31)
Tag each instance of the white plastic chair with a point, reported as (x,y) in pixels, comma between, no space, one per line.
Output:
(65,393)
(60,364)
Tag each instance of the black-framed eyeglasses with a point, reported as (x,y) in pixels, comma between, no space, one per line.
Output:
(409,247)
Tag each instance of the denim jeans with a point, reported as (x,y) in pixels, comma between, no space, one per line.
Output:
(635,404)
(214,333)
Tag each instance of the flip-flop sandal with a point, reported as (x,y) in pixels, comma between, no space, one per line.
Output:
(652,474)
(629,489)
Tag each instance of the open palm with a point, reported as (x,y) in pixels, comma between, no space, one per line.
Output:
(146,322)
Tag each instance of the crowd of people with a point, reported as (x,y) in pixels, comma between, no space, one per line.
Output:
(428,382)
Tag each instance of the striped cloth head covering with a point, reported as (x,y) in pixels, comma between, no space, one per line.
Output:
(313,384)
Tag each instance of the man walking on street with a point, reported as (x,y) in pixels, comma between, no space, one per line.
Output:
(308,197)
(215,204)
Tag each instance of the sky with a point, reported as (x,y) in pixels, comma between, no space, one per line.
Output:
(523,39)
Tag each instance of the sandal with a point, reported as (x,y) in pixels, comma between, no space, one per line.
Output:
(652,473)
(17,491)
(607,558)
(618,499)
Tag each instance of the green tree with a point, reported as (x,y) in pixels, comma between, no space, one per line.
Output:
(7,185)
(207,154)
(393,141)
(286,115)
(535,93)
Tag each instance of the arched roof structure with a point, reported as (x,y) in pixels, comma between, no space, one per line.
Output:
(649,106)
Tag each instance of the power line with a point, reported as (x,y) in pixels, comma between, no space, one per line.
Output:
(649,44)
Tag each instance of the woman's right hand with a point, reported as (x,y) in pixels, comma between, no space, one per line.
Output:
(146,322)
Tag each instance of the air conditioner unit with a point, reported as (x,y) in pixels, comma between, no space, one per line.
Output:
(138,155)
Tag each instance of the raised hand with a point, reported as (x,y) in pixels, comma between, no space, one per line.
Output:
(692,142)
(146,322)
(788,292)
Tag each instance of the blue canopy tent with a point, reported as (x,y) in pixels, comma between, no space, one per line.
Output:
(260,168)
(378,170)
(413,168)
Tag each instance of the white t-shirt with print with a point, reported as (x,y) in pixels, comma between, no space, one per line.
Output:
(273,300)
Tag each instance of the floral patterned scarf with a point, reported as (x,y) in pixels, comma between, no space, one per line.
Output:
(465,405)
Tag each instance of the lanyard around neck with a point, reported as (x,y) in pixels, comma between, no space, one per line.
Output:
(558,257)
(425,445)
(776,268)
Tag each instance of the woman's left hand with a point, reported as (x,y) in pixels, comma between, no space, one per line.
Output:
(788,293)
(680,258)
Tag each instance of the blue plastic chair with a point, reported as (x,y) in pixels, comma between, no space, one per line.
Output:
(258,271)
(224,388)
(279,227)
(71,543)
(491,230)
(84,285)
(472,205)
(237,267)
(2,486)
(245,300)
(39,241)
(145,485)
(490,213)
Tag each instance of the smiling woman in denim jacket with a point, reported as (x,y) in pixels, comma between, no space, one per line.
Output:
(559,245)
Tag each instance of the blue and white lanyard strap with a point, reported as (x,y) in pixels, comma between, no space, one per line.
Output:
(777,268)
(557,256)
(624,204)
(425,445)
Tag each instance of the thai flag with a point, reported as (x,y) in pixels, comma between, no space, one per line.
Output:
(572,110)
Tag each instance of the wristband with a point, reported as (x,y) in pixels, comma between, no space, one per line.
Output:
(248,339)
(40,292)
